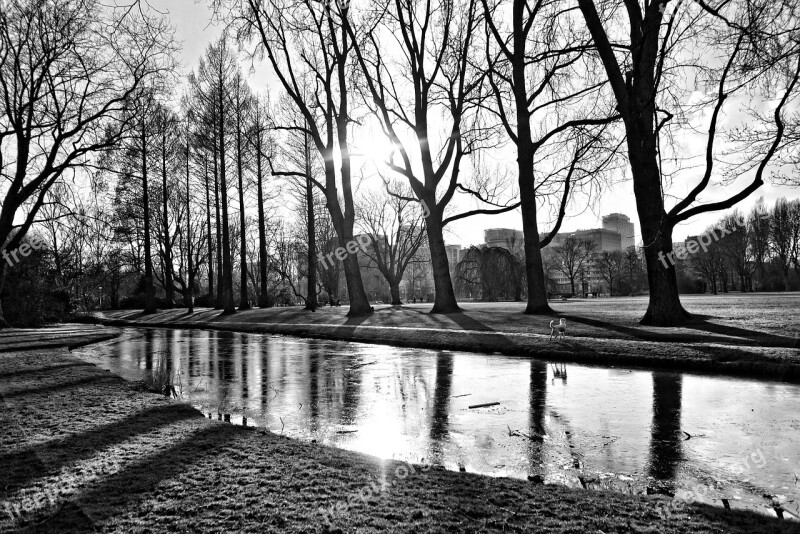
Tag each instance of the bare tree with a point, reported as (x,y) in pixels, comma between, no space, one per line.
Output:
(780,234)
(794,224)
(496,272)
(395,226)
(571,256)
(736,250)
(65,83)
(212,86)
(545,94)
(262,145)
(758,230)
(431,81)
(242,107)
(633,268)
(307,38)
(733,47)
(610,266)
(709,264)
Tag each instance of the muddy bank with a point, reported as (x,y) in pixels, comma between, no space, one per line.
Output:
(84,450)
(728,352)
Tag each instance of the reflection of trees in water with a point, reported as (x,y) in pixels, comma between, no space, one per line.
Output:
(490,273)
(666,442)
(440,413)
(191,354)
(538,403)
(148,349)
(538,396)
(172,351)
(351,395)
(412,390)
(245,357)
(266,392)
(315,357)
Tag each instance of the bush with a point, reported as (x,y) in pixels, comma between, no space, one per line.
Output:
(30,296)
(137,301)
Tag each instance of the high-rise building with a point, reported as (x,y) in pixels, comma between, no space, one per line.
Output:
(453,256)
(513,240)
(604,240)
(621,224)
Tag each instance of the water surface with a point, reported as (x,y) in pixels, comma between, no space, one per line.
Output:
(698,437)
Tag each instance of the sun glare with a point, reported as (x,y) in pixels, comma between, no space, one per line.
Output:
(374,148)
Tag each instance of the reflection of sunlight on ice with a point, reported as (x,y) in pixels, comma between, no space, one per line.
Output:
(381,436)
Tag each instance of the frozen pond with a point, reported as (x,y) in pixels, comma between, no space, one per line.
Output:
(724,441)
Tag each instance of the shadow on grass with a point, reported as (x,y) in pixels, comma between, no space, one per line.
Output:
(48,369)
(27,464)
(61,385)
(712,333)
(190,468)
(116,492)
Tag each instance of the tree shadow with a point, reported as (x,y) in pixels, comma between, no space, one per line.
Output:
(115,492)
(714,333)
(488,341)
(763,339)
(48,458)
(39,370)
(44,390)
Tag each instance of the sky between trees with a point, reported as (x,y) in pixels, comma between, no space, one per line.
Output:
(195,28)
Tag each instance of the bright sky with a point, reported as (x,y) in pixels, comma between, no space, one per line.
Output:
(192,21)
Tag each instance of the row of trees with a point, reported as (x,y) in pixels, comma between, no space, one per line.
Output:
(554,86)
(445,80)
(758,252)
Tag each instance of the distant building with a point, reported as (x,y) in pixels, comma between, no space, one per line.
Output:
(507,238)
(605,240)
(621,224)
(615,236)
(453,256)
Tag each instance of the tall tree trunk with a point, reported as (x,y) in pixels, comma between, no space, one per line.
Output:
(244,298)
(311,300)
(534,270)
(208,230)
(220,301)
(150,294)
(444,296)
(263,294)
(190,266)
(394,289)
(227,259)
(3,323)
(169,292)
(664,307)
